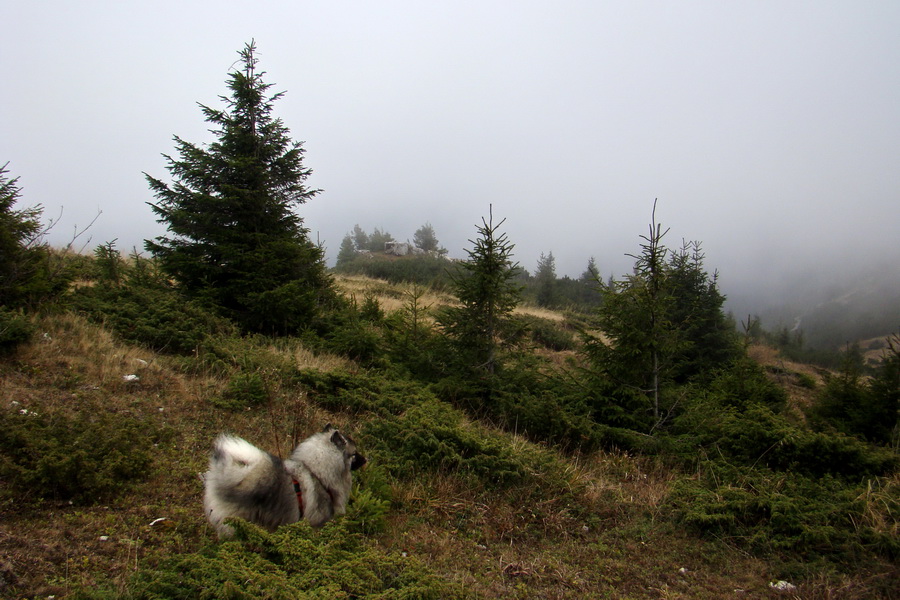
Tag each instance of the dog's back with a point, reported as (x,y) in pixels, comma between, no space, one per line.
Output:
(243,481)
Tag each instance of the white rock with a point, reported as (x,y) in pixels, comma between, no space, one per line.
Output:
(782,586)
(130,378)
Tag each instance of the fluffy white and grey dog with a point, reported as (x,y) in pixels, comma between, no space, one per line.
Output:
(313,484)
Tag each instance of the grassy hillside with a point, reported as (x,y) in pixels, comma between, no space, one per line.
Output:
(449,506)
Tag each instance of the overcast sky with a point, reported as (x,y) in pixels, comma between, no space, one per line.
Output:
(770,131)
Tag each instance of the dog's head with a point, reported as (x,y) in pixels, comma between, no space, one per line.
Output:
(347,446)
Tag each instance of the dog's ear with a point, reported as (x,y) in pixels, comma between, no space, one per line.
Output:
(338,440)
(328,428)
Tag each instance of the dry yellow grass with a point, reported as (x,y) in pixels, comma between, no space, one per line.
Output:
(543,313)
(784,372)
(392,297)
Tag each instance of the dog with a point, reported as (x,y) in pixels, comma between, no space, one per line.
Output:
(313,484)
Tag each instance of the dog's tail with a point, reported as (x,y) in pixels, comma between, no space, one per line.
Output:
(230,448)
(233,459)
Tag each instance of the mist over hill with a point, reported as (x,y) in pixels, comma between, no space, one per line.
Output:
(828,299)
(831,306)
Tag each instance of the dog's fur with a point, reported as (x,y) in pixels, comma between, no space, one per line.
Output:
(244,481)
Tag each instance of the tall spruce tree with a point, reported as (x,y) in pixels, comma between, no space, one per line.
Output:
(636,319)
(545,281)
(663,326)
(234,238)
(483,323)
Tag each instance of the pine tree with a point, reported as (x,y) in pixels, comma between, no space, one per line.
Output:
(663,326)
(590,285)
(635,317)
(360,238)
(24,275)
(708,337)
(483,323)
(234,238)
(346,253)
(425,238)
(592,273)
(377,239)
(545,281)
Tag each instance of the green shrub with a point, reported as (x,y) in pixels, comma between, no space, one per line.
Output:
(782,513)
(157,318)
(744,383)
(411,339)
(355,339)
(366,392)
(758,436)
(433,437)
(549,334)
(367,513)
(88,458)
(806,381)
(223,353)
(545,417)
(293,562)
(422,269)
(15,330)
(371,310)
(245,390)
(863,407)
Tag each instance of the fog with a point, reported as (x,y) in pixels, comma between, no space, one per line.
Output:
(770,131)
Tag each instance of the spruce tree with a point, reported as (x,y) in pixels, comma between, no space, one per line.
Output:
(426,239)
(360,238)
(545,281)
(234,238)
(483,323)
(24,276)
(590,284)
(662,326)
(347,252)
(377,239)
(636,357)
(709,338)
